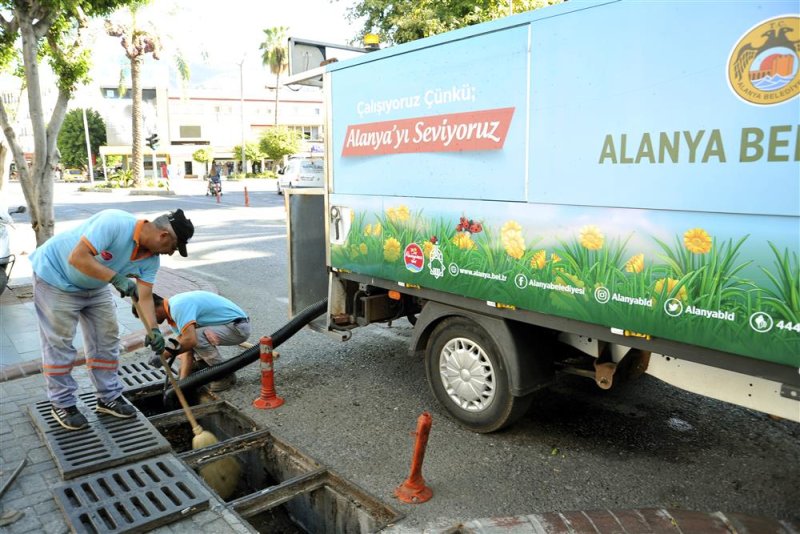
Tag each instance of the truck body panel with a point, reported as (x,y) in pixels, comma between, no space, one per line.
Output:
(593,163)
(618,178)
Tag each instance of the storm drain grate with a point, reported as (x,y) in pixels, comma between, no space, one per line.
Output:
(141,376)
(135,497)
(108,441)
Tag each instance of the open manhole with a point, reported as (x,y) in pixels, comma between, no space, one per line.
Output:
(220,418)
(132,498)
(284,490)
(108,441)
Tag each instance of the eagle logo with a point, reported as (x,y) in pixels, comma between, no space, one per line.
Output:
(764,65)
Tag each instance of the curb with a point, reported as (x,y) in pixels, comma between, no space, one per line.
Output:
(174,283)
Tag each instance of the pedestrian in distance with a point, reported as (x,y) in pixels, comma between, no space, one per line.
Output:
(71,276)
(202,321)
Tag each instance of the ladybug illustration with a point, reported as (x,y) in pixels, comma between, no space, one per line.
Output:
(434,239)
(475,227)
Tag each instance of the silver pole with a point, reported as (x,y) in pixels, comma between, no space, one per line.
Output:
(241,116)
(88,146)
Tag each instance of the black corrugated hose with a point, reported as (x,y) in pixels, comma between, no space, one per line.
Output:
(199,378)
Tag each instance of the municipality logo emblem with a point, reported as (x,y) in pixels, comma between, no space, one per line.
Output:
(764,65)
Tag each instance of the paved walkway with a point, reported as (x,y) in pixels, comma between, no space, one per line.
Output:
(20,354)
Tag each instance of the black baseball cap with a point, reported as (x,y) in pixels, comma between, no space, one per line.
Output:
(183,227)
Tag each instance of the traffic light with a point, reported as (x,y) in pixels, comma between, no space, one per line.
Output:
(152,141)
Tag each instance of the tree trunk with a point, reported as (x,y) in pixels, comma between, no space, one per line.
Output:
(4,176)
(277,95)
(137,163)
(37,181)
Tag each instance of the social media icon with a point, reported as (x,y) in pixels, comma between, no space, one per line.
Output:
(602,295)
(673,307)
(761,322)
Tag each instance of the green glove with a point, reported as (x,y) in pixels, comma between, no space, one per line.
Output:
(155,340)
(126,286)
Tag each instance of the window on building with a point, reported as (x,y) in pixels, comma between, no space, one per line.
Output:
(309,133)
(190,132)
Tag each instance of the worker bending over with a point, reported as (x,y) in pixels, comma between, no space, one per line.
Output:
(203,321)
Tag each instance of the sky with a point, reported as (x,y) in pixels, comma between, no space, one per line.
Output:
(215,40)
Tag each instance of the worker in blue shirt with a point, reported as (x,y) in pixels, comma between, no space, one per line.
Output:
(71,276)
(202,322)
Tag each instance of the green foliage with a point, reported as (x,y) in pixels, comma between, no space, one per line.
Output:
(274,53)
(203,155)
(123,178)
(279,141)
(251,151)
(401,21)
(72,138)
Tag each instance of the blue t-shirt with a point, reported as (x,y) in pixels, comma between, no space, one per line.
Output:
(112,235)
(202,308)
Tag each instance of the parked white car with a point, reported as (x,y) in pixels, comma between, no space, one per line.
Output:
(302,171)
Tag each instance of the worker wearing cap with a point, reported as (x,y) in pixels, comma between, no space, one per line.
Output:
(203,321)
(71,276)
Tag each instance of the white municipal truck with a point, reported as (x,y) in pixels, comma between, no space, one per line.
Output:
(606,188)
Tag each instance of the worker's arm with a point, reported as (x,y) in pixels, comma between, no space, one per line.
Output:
(82,258)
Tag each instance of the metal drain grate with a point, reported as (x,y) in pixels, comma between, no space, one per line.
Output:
(135,497)
(108,441)
(141,376)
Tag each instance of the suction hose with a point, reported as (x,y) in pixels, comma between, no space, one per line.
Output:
(195,380)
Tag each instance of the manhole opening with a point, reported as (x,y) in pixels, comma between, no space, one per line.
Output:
(281,489)
(151,401)
(220,418)
(325,509)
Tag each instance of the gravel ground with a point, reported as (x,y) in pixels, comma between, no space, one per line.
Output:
(353,406)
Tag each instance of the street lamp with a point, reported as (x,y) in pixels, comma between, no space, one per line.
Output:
(241,112)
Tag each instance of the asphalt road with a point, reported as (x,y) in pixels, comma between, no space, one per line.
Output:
(354,405)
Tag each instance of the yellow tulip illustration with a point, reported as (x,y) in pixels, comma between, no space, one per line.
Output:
(635,264)
(391,249)
(539,259)
(697,241)
(511,237)
(591,238)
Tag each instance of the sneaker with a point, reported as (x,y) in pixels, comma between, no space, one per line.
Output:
(116,407)
(70,418)
(221,385)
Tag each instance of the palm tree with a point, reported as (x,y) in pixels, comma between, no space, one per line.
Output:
(275,55)
(137,42)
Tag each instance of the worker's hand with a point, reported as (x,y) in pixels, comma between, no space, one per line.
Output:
(155,361)
(155,340)
(126,286)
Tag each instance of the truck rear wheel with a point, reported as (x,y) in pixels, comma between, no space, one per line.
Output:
(468,375)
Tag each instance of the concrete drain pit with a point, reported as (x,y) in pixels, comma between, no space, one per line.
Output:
(219,417)
(281,489)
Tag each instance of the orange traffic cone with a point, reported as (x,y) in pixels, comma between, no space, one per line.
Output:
(414,490)
(268,398)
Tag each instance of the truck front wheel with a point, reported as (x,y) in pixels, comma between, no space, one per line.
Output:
(468,376)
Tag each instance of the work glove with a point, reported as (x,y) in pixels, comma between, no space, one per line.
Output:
(126,286)
(174,350)
(155,340)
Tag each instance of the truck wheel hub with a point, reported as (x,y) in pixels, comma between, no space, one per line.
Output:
(467,374)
